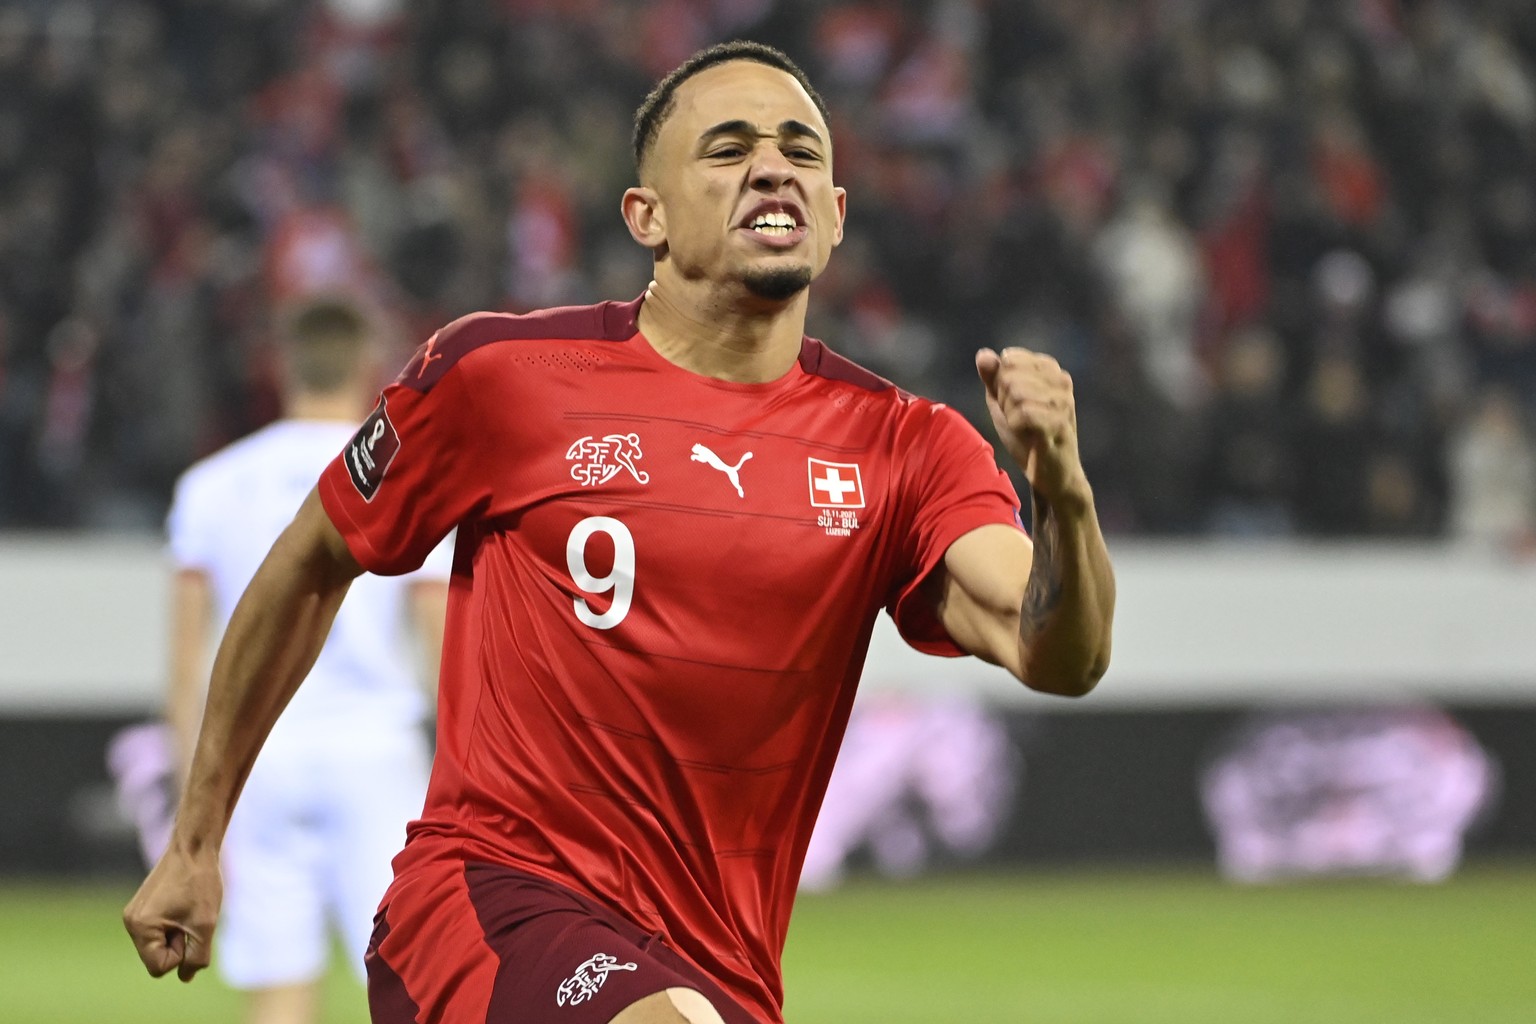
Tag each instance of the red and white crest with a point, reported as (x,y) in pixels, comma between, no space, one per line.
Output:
(835,484)
(598,461)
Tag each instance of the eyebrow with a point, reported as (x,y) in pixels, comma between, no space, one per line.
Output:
(792,128)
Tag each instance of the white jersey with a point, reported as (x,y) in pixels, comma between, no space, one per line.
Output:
(231,506)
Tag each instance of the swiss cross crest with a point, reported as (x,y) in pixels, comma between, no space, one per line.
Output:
(598,460)
(835,484)
(837,492)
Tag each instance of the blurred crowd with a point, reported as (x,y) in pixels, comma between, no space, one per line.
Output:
(1287,248)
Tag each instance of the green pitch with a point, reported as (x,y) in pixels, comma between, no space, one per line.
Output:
(1146,947)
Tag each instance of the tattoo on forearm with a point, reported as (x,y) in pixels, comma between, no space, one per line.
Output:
(1042,593)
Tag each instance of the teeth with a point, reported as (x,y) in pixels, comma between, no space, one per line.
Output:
(776,224)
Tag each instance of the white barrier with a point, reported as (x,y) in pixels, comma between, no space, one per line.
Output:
(83,624)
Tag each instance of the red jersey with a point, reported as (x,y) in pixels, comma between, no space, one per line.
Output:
(662,596)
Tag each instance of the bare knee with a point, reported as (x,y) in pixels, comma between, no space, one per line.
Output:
(674,1006)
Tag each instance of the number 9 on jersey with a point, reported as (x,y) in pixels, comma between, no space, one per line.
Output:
(620,579)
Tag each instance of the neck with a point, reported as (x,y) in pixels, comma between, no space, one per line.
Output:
(345,406)
(746,340)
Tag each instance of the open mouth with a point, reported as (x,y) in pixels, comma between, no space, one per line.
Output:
(774,225)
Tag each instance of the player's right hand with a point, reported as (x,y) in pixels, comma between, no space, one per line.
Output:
(172,916)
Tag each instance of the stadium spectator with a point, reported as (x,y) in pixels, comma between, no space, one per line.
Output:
(1493,470)
(1335,441)
(1157,284)
(1248,471)
(150,152)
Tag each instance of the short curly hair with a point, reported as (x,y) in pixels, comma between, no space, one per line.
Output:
(657,106)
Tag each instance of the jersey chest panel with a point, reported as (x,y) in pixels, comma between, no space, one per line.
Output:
(692,548)
(744,527)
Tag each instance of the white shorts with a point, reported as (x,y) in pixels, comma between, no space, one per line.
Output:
(308,851)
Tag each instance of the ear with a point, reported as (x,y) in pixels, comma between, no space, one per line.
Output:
(643,215)
(840,196)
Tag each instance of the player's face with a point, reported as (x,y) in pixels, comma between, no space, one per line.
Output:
(742,171)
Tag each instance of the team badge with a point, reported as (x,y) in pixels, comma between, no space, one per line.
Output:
(371,451)
(597,461)
(835,484)
(837,492)
(588,979)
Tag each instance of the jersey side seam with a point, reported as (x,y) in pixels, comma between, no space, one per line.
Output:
(472,398)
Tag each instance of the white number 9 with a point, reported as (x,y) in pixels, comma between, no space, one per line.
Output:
(620,579)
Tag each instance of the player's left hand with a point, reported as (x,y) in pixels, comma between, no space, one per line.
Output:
(1035,414)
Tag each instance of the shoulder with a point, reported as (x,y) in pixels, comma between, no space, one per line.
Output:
(818,360)
(917,422)
(210,472)
(208,489)
(861,390)
(605,321)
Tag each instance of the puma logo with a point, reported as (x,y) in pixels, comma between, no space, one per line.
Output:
(709,458)
(427,355)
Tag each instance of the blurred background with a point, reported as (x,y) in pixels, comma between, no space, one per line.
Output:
(1287,249)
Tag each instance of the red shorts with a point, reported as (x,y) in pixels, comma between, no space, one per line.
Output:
(483,944)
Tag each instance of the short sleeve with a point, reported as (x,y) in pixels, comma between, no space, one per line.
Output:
(191,526)
(408,476)
(955,487)
(438,565)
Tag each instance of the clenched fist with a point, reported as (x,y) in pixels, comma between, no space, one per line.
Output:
(1035,414)
(171,918)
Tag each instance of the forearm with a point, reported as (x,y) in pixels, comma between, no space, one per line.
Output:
(272,641)
(1069,601)
(191,612)
(183,712)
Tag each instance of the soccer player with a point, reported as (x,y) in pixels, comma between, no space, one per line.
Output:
(345,769)
(653,640)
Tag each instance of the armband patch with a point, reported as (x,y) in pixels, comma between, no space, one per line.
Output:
(371,451)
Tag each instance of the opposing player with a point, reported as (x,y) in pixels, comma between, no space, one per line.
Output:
(345,768)
(653,641)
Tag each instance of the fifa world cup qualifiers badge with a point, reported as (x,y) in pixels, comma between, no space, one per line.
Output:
(371,450)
